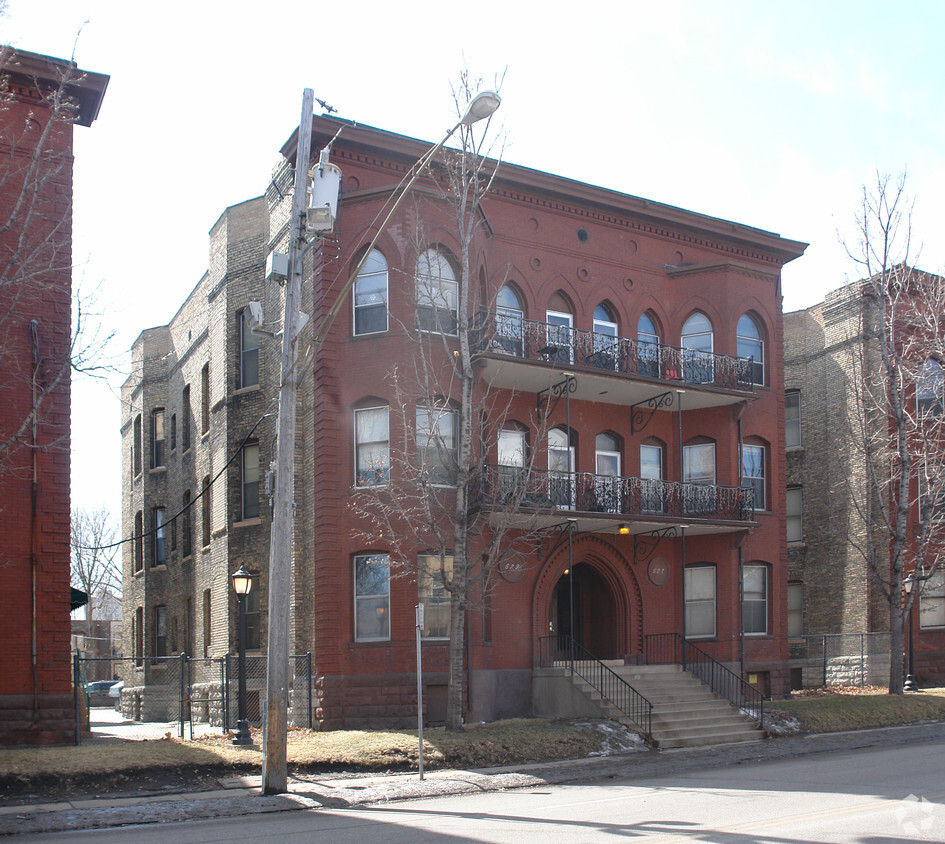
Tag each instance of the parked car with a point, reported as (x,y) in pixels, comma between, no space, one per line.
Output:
(114,692)
(97,692)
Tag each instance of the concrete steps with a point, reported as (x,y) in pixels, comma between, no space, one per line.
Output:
(686,713)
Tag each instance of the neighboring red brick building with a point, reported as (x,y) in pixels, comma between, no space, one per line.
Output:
(40,101)
(638,302)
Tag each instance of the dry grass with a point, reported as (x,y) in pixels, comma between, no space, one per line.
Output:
(501,743)
(857,709)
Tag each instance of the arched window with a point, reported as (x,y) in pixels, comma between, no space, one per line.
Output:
(509,315)
(648,347)
(605,338)
(560,468)
(753,472)
(929,388)
(560,331)
(437,293)
(750,345)
(370,295)
(651,477)
(697,343)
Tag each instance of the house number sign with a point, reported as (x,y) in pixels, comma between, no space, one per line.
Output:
(658,571)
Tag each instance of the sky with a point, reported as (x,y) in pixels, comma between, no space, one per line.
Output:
(774,115)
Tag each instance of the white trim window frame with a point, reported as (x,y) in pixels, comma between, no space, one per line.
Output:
(372,446)
(372,598)
(370,296)
(701,606)
(755,600)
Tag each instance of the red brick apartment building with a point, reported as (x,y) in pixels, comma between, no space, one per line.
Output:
(41,99)
(666,442)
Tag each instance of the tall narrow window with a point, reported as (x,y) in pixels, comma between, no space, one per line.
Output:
(160,548)
(607,483)
(648,347)
(432,593)
(753,473)
(370,295)
(651,479)
(755,599)
(699,478)
(697,343)
(136,447)
(137,635)
(253,620)
(205,398)
(372,446)
(185,418)
(605,339)
(139,541)
(795,609)
(793,502)
(436,443)
(932,601)
(160,632)
(749,344)
(559,332)
(372,597)
(700,601)
(157,437)
(561,487)
(511,453)
(187,535)
(207,627)
(189,625)
(929,388)
(509,321)
(437,293)
(250,482)
(173,431)
(249,350)
(792,419)
(207,510)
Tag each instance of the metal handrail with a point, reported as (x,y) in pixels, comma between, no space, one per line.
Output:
(672,648)
(557,650)
(564,346)
(624,496)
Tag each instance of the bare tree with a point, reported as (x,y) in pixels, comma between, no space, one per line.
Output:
(449,519)
(35,264)
(96,566)
(894,423)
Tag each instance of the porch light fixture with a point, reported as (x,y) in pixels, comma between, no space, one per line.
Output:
(623,530)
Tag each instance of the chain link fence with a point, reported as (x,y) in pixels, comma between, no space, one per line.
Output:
(182,696)
(839,659)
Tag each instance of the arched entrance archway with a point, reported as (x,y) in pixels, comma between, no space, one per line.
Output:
(585,598)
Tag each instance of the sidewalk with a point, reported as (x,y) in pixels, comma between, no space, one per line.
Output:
(241,795)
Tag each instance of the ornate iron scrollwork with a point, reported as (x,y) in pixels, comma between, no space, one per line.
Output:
(643,411)
(645,544)
(562,533)
(556,391)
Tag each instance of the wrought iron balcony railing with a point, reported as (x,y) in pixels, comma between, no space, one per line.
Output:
(566,346)
(501,486)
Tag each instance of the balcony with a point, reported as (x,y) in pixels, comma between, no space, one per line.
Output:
(525,355)
(601,502)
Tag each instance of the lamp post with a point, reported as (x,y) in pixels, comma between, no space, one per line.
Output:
(274,769)
(242,584)
(910,684)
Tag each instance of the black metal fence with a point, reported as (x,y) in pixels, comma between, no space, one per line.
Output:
(180,696)
(673,649)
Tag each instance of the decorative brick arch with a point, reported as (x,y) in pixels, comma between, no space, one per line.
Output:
(612,567)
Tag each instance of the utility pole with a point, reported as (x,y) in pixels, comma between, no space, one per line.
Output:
(274,768)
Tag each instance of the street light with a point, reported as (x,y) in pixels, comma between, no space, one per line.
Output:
(242,584)
(910,684)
